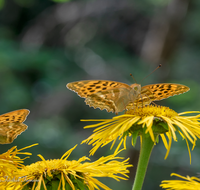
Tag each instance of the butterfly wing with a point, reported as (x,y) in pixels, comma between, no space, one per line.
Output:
(155,92)
(165,90)
(11,125)
(103,94)
(113,100)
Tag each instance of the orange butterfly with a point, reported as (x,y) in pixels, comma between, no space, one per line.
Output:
(116,96)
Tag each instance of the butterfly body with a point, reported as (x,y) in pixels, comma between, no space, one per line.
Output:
(116,96)
(11,125)
(134,92)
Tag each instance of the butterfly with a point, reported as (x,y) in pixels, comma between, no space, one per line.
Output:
(11,125)
(116,96)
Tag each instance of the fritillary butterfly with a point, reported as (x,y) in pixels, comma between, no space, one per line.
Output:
(116,96)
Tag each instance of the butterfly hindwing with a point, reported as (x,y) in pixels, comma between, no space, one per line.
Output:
(113,100)
(11,125)
(15,129)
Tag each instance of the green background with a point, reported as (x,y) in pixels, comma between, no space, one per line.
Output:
(46,44)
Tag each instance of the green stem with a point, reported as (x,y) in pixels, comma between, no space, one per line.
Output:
(145,152)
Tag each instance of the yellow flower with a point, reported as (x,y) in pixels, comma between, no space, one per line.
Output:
(189,183)
(64,174)
(155,120)
(10,164)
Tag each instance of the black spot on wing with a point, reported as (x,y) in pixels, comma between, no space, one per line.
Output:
(113,84)
(105,84)
(161,86)
(97,82)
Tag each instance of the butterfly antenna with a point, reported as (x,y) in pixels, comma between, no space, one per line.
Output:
(133,77)
(151,72)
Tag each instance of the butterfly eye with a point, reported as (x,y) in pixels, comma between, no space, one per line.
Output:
(135,88)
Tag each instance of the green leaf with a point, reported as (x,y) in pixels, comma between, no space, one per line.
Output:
(157,139)
(26,187)
(57,176)
(42,186)
(81,184)
(71,177)
(55,184)
(134,137)
(67,186)
(159,126)
(47,178)
(49,187)
(164,125)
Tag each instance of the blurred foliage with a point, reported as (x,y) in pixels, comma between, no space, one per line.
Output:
(44,45)
(61,1)
(2,2)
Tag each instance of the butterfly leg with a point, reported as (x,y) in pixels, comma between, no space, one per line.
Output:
(155,104)
(124,106)
(141,99)
(150,101)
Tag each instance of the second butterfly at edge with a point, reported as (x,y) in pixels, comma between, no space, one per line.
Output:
(116,96)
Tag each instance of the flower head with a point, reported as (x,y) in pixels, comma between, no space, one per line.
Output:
(189,183)
(64,174)
(154,120)
(10,163)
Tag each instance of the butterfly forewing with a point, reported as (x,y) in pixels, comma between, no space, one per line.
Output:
(165,90)
(155,92)
(11,125)
(87,87)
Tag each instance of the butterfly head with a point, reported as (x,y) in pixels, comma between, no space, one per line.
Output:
(136,87)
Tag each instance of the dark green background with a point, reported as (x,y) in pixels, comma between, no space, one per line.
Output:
(44,45)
